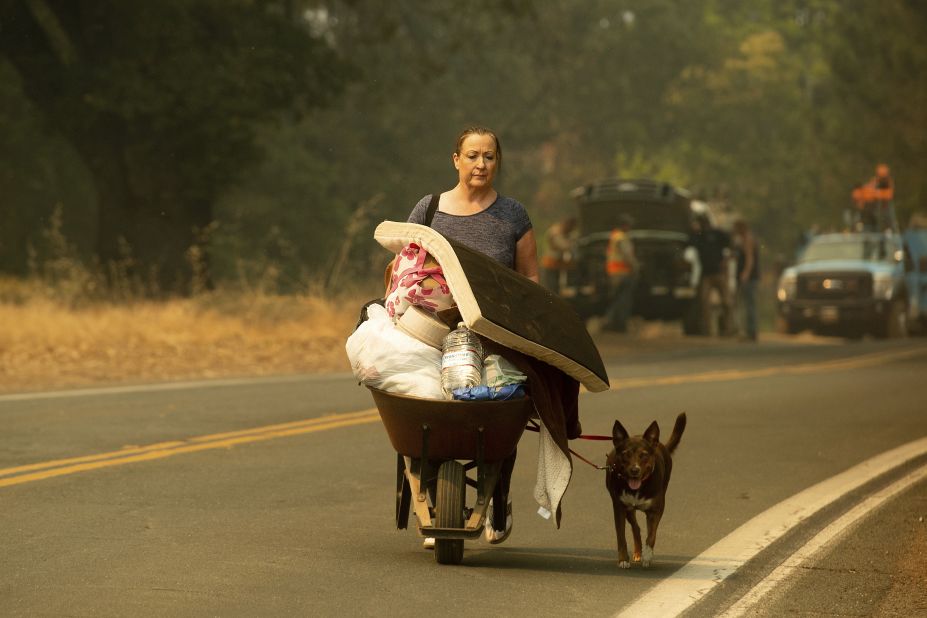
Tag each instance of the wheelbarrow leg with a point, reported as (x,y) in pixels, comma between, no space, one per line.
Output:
(417,492)
(403,494)
(425,469)
(500,496)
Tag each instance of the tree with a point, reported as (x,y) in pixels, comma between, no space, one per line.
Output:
(386,142)
(162,101)
(878,94)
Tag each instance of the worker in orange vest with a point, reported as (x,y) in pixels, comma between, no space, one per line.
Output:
(883,190)
(883,184)
(874,201)
(622,268)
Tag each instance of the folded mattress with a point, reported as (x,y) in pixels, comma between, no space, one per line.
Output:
(506,307)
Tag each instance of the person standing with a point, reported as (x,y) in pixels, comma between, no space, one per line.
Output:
(747,251)
(874,201)
(622,268)
(559,240)
(883,187)
(713,246)
(474,214)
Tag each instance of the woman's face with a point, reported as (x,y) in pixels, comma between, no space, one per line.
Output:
(477,162)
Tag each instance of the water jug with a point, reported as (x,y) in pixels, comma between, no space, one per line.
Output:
(461,360)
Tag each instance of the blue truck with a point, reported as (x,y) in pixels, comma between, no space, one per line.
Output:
(854,283)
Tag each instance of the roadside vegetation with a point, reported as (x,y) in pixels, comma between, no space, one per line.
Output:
(50,343)
(69,324)
(218,167)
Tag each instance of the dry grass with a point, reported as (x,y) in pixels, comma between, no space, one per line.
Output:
(46,343)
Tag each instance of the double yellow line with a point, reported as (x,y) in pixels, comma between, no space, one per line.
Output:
(61,467)
(840,364)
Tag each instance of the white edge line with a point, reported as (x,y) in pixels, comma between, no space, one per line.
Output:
(172,386)
(700,575)
(821,541)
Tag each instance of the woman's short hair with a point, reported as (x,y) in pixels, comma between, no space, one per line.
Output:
(480,131)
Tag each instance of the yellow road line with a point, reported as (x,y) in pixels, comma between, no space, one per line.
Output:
(187,448)
(867,360)
(72,465)
(162,446)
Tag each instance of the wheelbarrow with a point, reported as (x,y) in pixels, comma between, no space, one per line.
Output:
(442,447)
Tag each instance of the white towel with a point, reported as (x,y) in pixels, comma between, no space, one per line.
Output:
(554,472)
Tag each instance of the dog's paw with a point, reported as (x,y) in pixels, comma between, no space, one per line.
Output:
(624,564)
(647,556)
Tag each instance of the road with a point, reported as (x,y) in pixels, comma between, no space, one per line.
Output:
(275,497)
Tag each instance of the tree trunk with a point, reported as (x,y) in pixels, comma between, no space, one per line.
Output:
(147,219)
(142,239)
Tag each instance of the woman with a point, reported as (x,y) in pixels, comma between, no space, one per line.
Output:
(475,215)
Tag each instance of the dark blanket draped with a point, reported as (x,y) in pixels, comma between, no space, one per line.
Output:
(555,396)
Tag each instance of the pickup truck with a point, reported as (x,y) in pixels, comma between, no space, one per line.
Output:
(855,283)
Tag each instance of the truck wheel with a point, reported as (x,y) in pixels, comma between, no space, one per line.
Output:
(449,506)
(784,326)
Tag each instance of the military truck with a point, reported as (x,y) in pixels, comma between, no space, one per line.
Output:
(662,214)
(855,283)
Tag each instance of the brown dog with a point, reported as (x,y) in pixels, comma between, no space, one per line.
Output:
(637,473)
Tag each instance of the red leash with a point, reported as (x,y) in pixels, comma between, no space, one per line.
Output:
(536,428)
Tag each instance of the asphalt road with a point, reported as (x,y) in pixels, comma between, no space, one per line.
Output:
(276,497)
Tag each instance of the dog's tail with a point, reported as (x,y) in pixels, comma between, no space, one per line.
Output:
(678,428)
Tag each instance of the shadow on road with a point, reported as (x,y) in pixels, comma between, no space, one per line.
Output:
(570,560)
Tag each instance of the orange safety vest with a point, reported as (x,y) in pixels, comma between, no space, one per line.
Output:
(870,192)
(615,262)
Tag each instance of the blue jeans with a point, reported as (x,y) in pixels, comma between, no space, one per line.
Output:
(746,298)
(620,298)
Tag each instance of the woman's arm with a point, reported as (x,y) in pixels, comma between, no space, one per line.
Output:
(526,256)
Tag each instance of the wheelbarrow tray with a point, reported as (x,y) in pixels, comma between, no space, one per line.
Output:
(449,429)
(430,437)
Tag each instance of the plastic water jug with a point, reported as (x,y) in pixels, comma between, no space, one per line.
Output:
(461,360)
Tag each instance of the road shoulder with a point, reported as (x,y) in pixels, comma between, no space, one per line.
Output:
(878,569)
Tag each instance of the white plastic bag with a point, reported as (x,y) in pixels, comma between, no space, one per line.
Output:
(384,357)
(499,372)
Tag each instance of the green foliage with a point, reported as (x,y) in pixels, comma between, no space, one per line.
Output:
(185,80)
(162,102)
(38,171)
(878,94)
(283,126)
(663,167)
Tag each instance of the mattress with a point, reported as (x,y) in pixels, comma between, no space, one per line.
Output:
(506,307)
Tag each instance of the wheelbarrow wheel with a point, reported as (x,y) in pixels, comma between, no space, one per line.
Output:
(449,506)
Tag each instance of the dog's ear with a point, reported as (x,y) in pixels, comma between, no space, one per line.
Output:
(653,433)
(619,433)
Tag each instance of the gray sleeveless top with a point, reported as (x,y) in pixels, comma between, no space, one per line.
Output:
(494,231)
